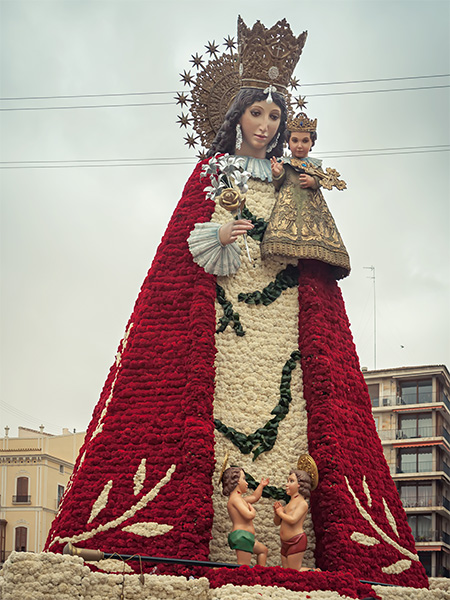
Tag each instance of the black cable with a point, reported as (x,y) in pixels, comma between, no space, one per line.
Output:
(176,92)
(188,161)
(431,87)
(86,106)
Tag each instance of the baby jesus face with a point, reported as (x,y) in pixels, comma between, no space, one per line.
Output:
(300,143)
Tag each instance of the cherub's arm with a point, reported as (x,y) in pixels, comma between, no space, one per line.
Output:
(295,515)
(276,518)
(245,509)
(256,495)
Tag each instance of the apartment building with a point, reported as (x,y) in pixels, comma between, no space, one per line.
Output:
(35,468)
(411,409)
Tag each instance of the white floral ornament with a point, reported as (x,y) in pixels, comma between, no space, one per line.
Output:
(360,538)
(101,501)
(139,477)
(143,529)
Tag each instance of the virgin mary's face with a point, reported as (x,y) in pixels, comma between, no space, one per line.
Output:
(259,123)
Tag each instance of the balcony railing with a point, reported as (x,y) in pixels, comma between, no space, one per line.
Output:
(423,467)
(408,433)
(408,399)
(425,501)
(432,536)
(21,499)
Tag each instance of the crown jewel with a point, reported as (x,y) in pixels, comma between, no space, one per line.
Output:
(266,59)
(301,123)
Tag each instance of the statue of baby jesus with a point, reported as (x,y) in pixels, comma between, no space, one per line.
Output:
(241,511)
(291,518)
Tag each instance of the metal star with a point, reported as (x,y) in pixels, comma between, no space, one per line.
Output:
(182,98)
(191,140)
(301,102)
(196,60)
(186,77)
(212,48)
(201,155)
(184,120)
(230,43)
(294,83)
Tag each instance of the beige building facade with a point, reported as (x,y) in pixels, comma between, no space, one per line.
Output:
(35,468)
(411,409)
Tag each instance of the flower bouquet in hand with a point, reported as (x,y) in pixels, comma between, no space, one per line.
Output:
(228,184)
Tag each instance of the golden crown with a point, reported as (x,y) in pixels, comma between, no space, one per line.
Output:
(268,56)
(265,57)
(301,123)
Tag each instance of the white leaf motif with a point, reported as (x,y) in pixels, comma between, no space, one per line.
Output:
(390,517)
(362,538)
(381,533)
(139,477)
(367,492)
(101,501)
(148,529)
(396,568)
(142,503)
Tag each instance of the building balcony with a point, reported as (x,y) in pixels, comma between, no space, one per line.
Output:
(410,433)
(425,470)
(426,502)
(414,401)
(21,499)
(425,466)
(425,537)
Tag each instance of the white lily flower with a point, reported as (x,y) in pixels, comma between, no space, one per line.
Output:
(210,168)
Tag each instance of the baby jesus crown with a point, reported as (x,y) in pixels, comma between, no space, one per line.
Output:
(301,123)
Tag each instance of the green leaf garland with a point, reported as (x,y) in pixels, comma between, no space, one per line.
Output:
(287,278)
(229,315)
(270,491)
(265,436)
(260,226)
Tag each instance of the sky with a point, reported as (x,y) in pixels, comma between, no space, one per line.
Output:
(78,237)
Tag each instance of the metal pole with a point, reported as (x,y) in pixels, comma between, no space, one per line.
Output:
(372,277)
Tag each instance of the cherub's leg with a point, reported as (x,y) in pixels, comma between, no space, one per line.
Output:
(261,552)
(284,561)
(243,558)
(294,561)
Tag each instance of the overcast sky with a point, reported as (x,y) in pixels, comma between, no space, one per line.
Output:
(77,238)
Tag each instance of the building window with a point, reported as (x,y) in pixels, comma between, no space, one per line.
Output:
(60,494)
(374,393)
(425,559)
(416,495)
(22,491)
(61,468)
(413,426)
(20,544)
(414,460)
(421,527)
(416,392)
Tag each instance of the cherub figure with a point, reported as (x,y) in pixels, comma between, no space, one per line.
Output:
(291,518)
(241,511)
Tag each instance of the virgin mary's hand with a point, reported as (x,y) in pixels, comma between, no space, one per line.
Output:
(229,232)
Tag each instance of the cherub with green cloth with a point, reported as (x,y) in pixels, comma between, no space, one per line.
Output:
(241,511)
